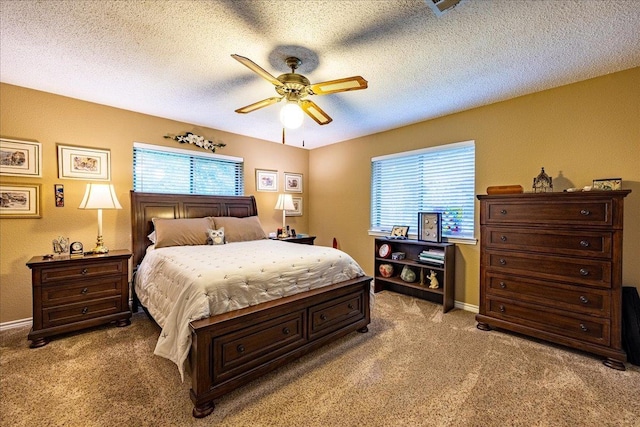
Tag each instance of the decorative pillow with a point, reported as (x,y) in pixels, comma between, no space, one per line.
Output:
(181,231)
(240,229)
(216,237)
(152,236)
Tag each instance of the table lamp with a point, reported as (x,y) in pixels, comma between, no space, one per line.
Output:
(284,203)
(100,196)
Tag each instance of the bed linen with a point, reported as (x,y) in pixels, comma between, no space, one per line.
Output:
(181,284)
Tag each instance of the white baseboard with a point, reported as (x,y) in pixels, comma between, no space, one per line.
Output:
(467,307)
(16,324)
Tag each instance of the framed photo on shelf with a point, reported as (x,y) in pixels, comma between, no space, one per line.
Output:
(297,204)
(20,158)
(87,163)
(266,180)
(20,201)
(293,182)
(607,184)
(430,226)
(399,231)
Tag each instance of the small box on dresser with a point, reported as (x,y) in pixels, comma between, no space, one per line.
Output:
(70,294)
(551,268)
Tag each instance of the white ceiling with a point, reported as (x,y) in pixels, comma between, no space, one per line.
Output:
(172,58)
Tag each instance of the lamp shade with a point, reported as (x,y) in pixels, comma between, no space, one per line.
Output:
(285,202)
(100,196)
(291,115)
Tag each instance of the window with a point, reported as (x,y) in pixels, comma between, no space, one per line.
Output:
(171,170)
(437,179)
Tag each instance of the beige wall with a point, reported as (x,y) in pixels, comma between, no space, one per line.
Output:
(50,119)
(577,132)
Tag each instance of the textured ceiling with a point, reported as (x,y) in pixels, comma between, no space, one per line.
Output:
(172,58)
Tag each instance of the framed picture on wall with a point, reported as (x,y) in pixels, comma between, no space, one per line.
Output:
(297,204)
(20,158)
(83,163)
(293,182)
(266,180)
(20,201)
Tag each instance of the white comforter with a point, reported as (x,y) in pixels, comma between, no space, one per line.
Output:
(185,283)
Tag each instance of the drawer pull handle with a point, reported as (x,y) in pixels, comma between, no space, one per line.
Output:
(84,291)
(350,306)
(323,316)
(502,261)
(584,299)
(503,238)
(84,271)
(503,211)
(503,285)
(584,272)
(583,327)
(502,309)
(585,212)
(85,310)
(285,331)
(584,243)
(240,348)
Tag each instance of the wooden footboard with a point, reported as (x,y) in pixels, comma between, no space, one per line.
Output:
(232,349)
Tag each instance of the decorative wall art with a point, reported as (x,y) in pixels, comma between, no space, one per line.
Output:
(197,140)
(20,158)
(266,180)
(293,182)
(58,190)
(297,203)
(83,163)
(20,201)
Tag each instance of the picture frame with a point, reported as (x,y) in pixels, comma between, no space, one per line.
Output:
(399,231)
(20,201)
(58,191)
(76,162)
(266,180)
(293,182)
(607,184)
(297,203)
(430,226)
(20,158)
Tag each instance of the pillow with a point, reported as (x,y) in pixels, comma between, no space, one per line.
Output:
(181,231)
(240,229)
(215,237)
(152,237)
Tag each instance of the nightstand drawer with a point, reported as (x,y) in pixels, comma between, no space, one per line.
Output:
(81,291)
(72,313)
(83,271)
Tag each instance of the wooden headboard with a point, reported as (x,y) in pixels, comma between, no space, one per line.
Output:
(145,206)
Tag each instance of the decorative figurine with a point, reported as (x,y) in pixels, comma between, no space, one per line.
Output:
(408,275)
(434,280)
(542,183)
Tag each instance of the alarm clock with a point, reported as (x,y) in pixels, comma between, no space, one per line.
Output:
(385,250)
(76,249)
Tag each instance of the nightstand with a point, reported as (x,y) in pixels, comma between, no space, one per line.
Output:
(305,240)
(70,294)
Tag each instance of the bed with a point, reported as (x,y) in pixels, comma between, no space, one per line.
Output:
(229,349)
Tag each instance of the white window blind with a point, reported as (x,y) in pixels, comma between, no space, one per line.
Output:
(438,179)
(171,170)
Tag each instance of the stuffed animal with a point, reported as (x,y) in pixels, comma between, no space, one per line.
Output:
(215,237)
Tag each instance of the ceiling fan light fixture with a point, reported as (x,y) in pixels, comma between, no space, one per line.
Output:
(291,115)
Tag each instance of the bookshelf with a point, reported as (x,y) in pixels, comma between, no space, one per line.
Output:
(439,258)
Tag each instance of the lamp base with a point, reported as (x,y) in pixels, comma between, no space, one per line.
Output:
(100,247)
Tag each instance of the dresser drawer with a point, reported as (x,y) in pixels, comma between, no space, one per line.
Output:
(82,271)
(576,243)
(573,270)
(590,329)
(239,351)
(571,298)
(333,315)
(72,313)
(597,212)
(80,291)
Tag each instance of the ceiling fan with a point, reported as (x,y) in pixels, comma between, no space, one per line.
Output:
(294,88)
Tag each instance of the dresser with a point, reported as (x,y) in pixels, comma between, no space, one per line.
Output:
(70,294)
(551,268)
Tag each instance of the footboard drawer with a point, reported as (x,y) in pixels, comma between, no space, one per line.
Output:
(333,315)
(241,350)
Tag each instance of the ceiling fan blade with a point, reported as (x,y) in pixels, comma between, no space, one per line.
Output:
(257,69)
(259,104)
(340,85)
(315,112)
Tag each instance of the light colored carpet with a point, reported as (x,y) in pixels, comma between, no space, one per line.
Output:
(415,367)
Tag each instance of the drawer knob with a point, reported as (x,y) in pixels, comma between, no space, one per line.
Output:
(285,331)
(84,291)
(503,285)
(584,299)
(84,271)
(350,306)
(583,327)
(503,238)
(323,316)
(85,310)
(502,308)
(240,348)
(502,261)
(584,272)
(503,211)
(585,212)
(584,243)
